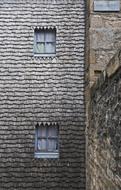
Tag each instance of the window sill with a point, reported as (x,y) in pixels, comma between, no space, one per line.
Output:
(44,55)
(46,155)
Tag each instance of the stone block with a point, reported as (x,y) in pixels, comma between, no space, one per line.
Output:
(92,57)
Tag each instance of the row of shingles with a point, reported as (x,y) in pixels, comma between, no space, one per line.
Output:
(26,44)
(77,140)
(66,184)
(39,85)
(70,156)
(8,82)
(68,38)
(66,170)
(11,178)
(17,56)
(16,35)
(12,31)
(62,119)
(63,60)
(12,142)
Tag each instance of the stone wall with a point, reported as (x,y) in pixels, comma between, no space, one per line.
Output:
(104,132)
(105,39)
(41,89)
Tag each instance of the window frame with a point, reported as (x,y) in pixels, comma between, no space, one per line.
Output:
(44,42)
(46,153)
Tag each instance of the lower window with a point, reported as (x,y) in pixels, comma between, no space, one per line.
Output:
(47,141)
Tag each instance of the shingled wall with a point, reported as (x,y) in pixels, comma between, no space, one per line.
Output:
(41,89)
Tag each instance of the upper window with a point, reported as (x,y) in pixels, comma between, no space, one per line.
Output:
(46,141)
(44,41)
(106,5)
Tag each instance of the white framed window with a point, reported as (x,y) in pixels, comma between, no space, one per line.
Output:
(106,5)
(45,42)
(46,141)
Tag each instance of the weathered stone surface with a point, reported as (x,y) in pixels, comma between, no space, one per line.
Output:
(104,131)
(105,36)
(92,56)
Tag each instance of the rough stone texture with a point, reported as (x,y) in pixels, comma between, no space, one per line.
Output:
(41,90)
(105,39)
(104,132)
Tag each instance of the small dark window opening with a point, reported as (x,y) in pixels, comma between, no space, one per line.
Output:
(97,72)
(45,41)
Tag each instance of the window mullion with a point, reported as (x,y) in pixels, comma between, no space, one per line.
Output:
(38,137)
(36,140)
(45,42)
(47,138)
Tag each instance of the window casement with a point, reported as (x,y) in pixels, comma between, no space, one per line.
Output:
(46,141)
(106,5)
(44,42)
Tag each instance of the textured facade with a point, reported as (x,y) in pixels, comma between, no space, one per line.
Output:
(104,132)
(41,90)
(105,37)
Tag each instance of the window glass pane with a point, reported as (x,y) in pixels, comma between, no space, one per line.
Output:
(46,140)
(40,48)
(40,36)
(42,132)
(35,48)
(50,36)
(50,48)
(41,144)
(52,131)
(45,41)
(106,5)
(52,145)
